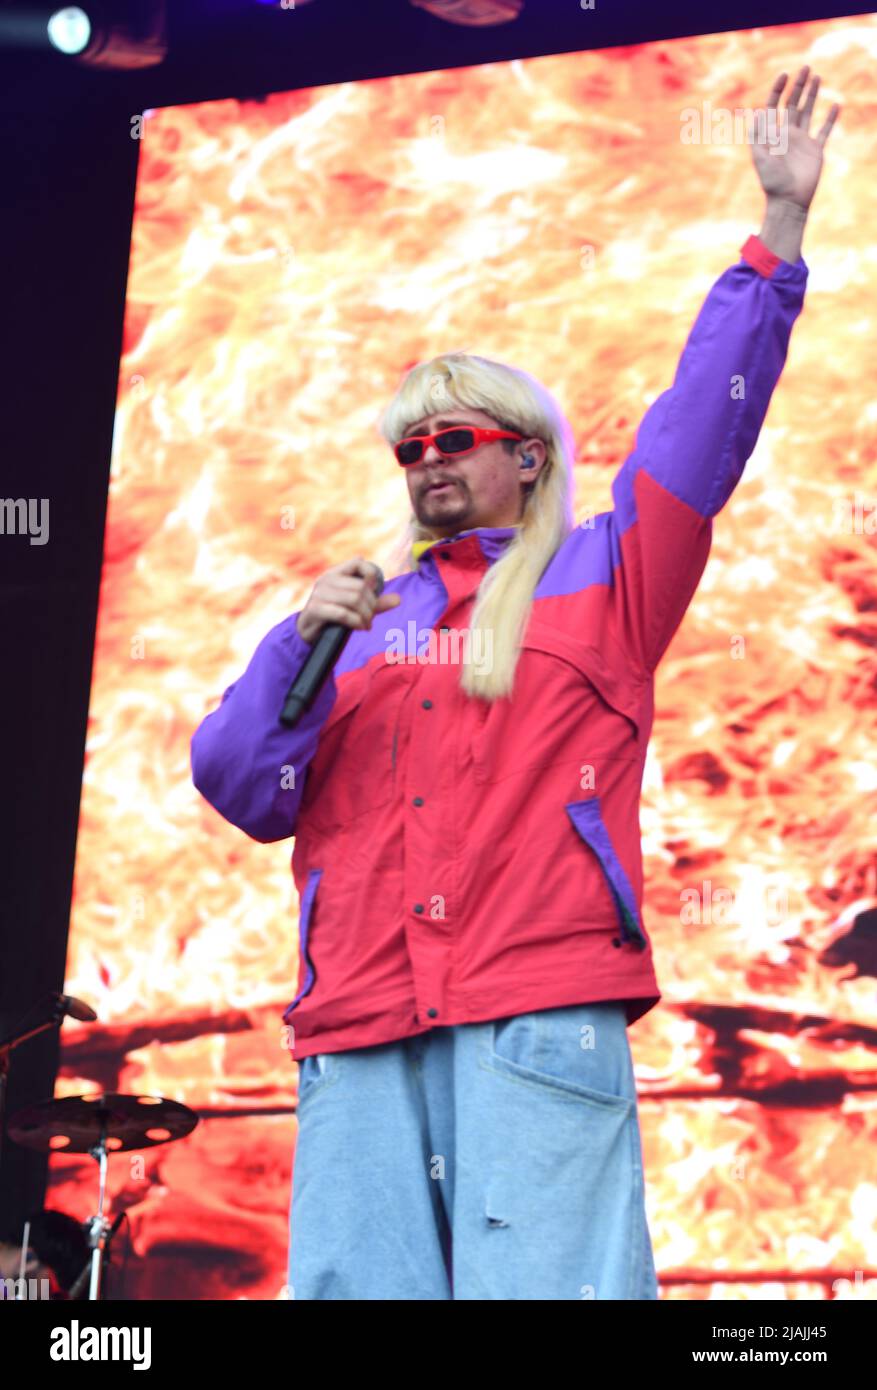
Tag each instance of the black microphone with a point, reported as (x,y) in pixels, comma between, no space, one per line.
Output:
(66,1003)
(327,647)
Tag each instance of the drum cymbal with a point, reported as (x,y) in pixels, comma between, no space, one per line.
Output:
(76,1124)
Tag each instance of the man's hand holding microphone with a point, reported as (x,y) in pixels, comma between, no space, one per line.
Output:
(350,594)
(347,596)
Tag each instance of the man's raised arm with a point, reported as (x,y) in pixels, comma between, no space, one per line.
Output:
(694,440)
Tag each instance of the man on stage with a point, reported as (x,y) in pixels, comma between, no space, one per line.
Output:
(464,796)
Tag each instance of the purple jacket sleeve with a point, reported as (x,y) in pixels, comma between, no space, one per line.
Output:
(248,765)
(694,441)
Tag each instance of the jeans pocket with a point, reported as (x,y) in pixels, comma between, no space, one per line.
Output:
(315,1074)
(581,1052)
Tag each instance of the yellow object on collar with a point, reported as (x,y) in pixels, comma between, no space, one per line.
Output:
(419,547)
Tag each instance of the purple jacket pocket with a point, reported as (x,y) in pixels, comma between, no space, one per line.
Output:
(304,923)
(587,820)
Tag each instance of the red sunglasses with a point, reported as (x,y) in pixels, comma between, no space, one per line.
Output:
(462,439)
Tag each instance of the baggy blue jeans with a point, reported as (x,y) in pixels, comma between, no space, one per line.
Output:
(497,1160)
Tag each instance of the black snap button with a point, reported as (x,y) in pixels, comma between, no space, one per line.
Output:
(427,704)
(418,907)
(445,554)
(432,1013)
(616,941)
(418,801)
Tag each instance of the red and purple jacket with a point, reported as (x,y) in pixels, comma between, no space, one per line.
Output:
(459,860)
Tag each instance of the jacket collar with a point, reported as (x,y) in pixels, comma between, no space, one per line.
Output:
(492,539)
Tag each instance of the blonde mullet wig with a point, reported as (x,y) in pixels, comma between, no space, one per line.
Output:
(516,401)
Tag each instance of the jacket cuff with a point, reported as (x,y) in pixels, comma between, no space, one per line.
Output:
(759,257)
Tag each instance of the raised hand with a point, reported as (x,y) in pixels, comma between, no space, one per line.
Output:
(787,158)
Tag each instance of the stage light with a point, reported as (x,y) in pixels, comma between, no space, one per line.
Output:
(475,13)
(121,34)
(69,29)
